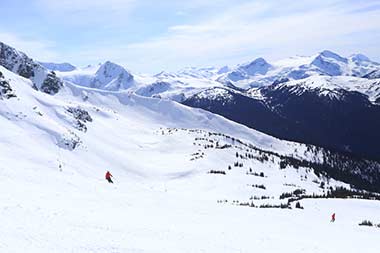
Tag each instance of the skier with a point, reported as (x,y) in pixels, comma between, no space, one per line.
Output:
(108,177)
(333,217)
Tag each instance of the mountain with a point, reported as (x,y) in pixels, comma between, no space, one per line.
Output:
(21,64)
(244,71)
(340,113)
(107,76)
(63,67)
(330,63)
(111,76)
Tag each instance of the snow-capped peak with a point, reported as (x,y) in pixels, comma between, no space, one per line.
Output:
(359,58)
(258,66)
(335,86)
(107,76)
(330,63)
(331,55)
(111,76)
(223,70)
(110,68)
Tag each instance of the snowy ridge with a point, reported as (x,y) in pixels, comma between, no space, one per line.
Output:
(333,87)
(295,68)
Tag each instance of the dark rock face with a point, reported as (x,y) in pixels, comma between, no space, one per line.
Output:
(5,88)
(350,124)
(21,64)
(81,117)
(11,58)
(52,84)
(80,114)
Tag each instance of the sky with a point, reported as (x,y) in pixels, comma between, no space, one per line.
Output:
(148,36)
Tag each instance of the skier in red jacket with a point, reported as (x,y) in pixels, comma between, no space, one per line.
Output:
(333,217)
(108,177)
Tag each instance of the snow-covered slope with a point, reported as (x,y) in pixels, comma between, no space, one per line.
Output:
(183,179)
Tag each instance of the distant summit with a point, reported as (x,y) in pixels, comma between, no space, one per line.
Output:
(107,76)
(63,67)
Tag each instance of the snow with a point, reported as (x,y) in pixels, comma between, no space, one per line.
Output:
(91,216)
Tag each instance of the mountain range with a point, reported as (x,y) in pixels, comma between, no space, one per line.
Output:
(325,99)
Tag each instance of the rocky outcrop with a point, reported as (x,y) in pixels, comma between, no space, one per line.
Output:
(19,63)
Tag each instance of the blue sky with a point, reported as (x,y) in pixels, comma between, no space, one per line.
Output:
(150,36)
